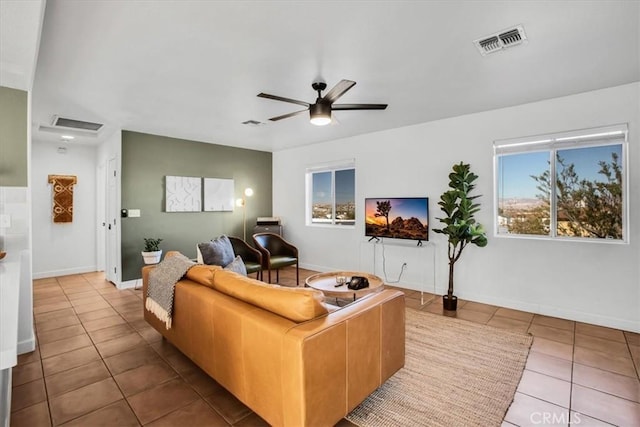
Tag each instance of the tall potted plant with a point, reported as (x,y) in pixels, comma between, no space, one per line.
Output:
(152,252)
(460,226)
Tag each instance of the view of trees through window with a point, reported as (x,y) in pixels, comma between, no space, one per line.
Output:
(333,197)
(584,198)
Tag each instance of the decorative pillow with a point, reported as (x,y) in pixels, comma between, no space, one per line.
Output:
(237,265)
(217,252)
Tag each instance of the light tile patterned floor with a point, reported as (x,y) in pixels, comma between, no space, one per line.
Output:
(98,362)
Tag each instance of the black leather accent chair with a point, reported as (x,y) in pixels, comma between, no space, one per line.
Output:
(251,257)
(276,253)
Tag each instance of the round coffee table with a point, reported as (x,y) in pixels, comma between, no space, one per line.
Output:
(326,282)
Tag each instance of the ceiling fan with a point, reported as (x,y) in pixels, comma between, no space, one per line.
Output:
(320,111)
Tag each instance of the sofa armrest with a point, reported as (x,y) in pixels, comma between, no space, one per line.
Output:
(346,354)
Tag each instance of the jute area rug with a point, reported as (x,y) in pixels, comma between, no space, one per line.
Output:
(457,373)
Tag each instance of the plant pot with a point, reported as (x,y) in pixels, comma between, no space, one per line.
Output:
(152,257)
(450,304)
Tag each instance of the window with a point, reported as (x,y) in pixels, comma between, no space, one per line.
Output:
(570,185)
(331,194)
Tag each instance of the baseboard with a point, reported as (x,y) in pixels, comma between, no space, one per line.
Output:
(318,268)
(129,284)
(553,311)
(65,272)
(546,310)
(27,346)
(413,286)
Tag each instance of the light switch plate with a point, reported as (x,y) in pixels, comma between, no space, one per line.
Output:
(134,213)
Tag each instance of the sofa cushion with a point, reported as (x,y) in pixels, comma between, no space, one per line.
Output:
(296,304)
(217,252)
(237,265)
(202,274)
(279,261)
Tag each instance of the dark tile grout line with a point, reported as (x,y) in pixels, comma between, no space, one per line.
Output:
(44,383)
(76,314)
(573,355)
(635,366)
(103,362)
(183,377)
(409,296)
(165,361)
(178,374)
(573,346)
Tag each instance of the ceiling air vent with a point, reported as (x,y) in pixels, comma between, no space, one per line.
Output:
(76,124)
(501,40)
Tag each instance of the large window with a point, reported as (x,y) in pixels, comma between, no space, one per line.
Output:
(331,194)
(570,185)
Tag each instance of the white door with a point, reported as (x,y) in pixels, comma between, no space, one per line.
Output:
(112,249)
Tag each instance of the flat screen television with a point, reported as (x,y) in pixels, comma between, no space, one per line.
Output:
(397,217)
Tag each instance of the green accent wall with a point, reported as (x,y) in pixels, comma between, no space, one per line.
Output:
(147,159)
(13,137)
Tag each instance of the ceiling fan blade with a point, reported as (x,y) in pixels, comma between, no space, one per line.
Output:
(280,98)
(285,116)
(338,90)
(338,107)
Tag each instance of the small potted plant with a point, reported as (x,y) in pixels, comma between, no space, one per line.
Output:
(460,228)
(152,252)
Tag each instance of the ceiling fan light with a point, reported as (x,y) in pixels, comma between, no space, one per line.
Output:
(320,120)
(320,114)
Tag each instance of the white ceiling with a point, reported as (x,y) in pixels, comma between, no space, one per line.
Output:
(192,69)
(20,25)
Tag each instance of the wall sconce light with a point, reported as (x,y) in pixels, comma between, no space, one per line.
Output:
(248,192)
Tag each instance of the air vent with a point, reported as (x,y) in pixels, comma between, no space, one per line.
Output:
(489,45)
(501,40)
(510,37)
(75,124)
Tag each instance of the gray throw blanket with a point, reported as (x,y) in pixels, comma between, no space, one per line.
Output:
(162,284)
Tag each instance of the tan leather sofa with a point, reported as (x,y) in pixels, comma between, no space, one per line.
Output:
(280,350)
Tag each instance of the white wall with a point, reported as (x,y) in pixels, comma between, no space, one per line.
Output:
(592,282)
(62,249)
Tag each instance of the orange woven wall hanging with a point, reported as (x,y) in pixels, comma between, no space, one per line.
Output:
(63,197)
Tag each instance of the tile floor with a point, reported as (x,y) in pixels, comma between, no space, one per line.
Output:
(99,363)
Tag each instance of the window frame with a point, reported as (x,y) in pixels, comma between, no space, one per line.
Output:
(331,167)
(552,143)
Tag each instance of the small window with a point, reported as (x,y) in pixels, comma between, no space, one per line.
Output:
(570,185)
(331,194)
